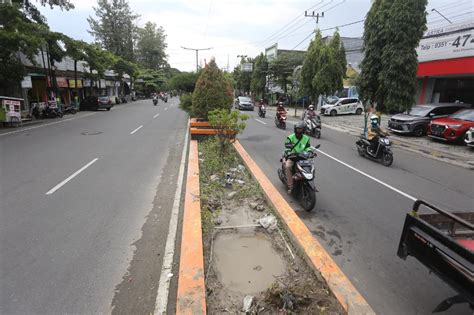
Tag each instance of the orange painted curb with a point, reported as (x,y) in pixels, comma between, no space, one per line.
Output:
(195,123)
(199,131)
(316,256)
(191,297)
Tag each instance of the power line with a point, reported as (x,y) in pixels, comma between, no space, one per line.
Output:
(327,29)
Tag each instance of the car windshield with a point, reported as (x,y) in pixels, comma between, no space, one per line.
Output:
(332,100)
(420,111)
(103,98)
(465,114)
(245,99)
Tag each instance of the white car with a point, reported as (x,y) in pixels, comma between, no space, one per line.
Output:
(348,105)
(469,137)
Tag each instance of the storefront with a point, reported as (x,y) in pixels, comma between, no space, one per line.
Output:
(446,64)
(77,93)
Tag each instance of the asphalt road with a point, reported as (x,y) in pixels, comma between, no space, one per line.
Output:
(359,221)
(93,244)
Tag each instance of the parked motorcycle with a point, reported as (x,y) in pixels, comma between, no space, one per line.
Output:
(280,122)
(313,127)
(70,109)
(304,187)
(382,153)
(262,111)
(155,101)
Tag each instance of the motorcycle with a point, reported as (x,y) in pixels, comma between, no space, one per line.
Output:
(155,101)
(70,109)
(280,122)
(262,111)
(303,172)
(313,127)
(383,152)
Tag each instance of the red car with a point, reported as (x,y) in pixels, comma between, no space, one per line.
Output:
(453,127)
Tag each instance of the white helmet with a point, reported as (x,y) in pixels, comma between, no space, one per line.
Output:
(311,107)
(374,117)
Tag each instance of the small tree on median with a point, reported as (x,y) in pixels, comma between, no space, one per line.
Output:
(212,91)
(229,124)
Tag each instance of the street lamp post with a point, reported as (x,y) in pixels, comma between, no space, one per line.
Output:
(197,54)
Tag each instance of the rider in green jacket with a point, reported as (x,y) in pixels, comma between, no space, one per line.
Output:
(296,143)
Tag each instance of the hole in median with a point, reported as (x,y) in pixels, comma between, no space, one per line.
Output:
(246,262)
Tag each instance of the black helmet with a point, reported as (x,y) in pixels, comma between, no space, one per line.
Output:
(300,125)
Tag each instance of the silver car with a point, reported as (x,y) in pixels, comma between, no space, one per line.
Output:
(243,103)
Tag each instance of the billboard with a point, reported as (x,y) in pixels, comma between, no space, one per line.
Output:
(447,42)
(246,67)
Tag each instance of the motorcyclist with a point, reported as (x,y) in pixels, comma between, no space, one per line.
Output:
(260,104)
(280,110)
(374,132)
(295,143)
(310,113)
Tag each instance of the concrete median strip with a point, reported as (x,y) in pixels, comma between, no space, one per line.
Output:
(191,297)
(316,256)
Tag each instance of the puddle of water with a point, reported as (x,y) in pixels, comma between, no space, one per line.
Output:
(246,262)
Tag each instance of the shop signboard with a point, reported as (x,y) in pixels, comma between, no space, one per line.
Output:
(62,82)
(26,83)
(72,84)
(448,42)
(246,67)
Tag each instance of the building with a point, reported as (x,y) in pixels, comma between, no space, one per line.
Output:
(353,47)
(446,64)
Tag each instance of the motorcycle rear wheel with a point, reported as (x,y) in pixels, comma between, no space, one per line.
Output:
(307,198)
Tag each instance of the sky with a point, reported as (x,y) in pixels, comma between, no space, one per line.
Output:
(233,28)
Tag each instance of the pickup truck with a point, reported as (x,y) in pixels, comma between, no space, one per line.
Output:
(444,243)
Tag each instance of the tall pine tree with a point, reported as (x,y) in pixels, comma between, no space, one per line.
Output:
(393,29)
(397,78)
(114,28)
(311,66)
(259,75)
(151,46)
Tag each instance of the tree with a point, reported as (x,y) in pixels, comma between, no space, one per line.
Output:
(311,66)
(243,78)
(153,80)
(76,50)
(259,75)
(391,35)
(282,67)
(30,10)
(17,34)
(98,61)
(212,91)
(339,52)
(151,46)
(184,82)
(114,29)
(397,78)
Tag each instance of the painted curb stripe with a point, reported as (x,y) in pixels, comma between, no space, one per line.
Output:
(191,297)
(315,254)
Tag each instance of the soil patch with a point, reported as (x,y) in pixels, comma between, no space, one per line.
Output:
(250,264)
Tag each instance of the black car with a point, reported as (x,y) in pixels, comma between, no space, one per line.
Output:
(96,103)
(415,121)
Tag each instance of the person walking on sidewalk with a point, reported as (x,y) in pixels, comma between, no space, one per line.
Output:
(295,143)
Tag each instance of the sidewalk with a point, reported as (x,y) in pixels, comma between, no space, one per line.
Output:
(354,124)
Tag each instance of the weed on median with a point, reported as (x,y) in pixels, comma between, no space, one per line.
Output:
(248,268)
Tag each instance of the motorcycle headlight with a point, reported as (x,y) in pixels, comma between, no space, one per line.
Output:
(308,176)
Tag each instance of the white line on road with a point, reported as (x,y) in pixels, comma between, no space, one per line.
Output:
(262,122)
(371,177)
(61,184)
(136,130)
(156,115)
(44,125)
(164,284)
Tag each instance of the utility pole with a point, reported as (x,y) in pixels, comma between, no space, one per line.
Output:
(197,55)
(315,16)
